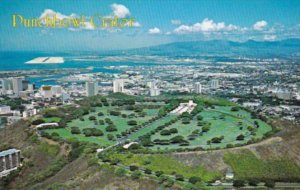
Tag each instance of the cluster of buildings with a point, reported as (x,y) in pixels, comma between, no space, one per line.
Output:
(256,85)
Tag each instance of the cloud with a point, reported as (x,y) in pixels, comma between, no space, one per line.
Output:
(205,26)
(120,11)
(176,22)
(270,37)
(52,13)
(154,30)
(260,25)
(59,16)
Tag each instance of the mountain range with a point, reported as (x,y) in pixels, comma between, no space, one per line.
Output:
(261,49)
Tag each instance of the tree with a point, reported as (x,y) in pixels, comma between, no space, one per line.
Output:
(240,137)
(92,118)
(238,183)
(165,132)
(133,167)
(110,137)
(205,128)
(115,113)
(253,182)
(194,179)
(159,173)
(177,139)
(136,175)
(148,171)
(234,109)
(120,172)
(132,122)
(100,114)
(173,130)
(75,130)
(270,184)
(217,139)
(179,177)
(199,117)
(38,121)
(111,128)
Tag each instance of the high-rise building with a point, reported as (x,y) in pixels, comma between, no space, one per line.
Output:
(154,91)
(198,88)
(46,91)
(118,85)
(56,90)
(17,85)
(30,87)
(91,88)
(215,84)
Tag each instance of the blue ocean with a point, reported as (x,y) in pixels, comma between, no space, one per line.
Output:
(15,61)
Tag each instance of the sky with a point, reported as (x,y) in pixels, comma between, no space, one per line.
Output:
(156,22)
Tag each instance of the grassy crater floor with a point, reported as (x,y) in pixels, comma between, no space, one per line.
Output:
(221,120)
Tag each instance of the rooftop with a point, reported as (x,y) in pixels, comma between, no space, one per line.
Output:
(8,152)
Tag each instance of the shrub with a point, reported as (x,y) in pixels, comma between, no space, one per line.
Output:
(205,129)
(253,182)
(120,172)
(132,122)
(92,132)
(217,139)
(240,137)
(110,137)
(75,130)
(194,179)
(148,171)
(270,184)
(92,118)
(238,183)
(37,122)
(234,109)
(177,139)
(111,128)
(136,175)
(179,177)
(173,130)
(100,114)
(133,167)
(165,132)
(115,113)
(199,117)
(159,173)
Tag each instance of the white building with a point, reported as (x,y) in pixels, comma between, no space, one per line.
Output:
(214,84)
(46,92)
(30,87)
(185,107)
(154,91)
(9,160)
(6,86)
(56,90)
(198,88)
(5,109)
(118,85)
(91,88)
(17,85)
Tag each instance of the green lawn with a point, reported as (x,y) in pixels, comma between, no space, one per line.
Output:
(119,122)
(166,164)
(51,119)
(228,127)
(247,166)
(233,124)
